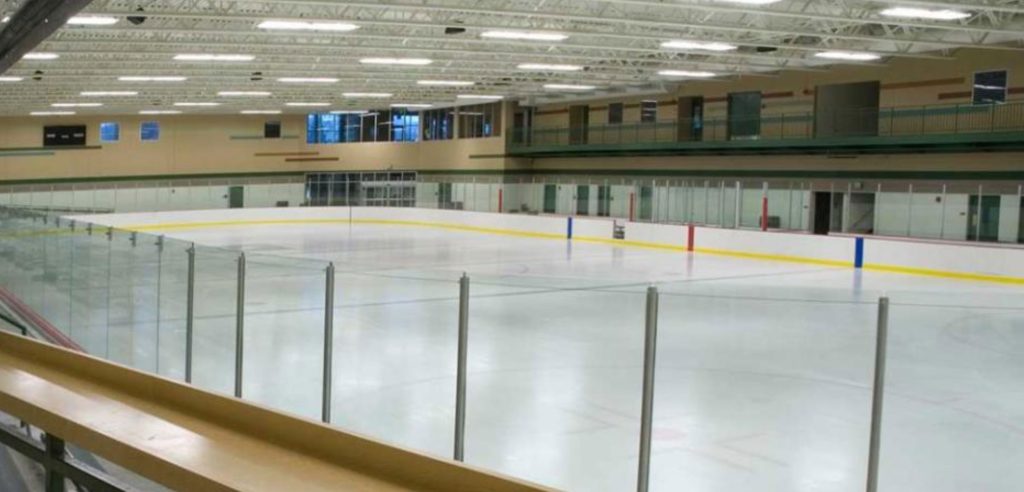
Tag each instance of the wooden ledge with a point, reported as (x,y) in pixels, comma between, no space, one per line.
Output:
(190,439)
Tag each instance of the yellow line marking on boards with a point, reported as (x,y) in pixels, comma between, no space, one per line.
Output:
(615,242)
(927,272)
(774,257)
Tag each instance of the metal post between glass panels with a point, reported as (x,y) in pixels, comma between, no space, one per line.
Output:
(881,343)
(240,325)
(647,408)
(328,344)
(460,380)
(190,305)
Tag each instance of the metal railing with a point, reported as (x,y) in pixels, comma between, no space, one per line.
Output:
(904,121)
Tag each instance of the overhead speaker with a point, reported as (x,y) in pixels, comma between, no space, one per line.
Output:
(137,20)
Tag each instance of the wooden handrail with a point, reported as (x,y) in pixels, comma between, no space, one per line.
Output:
(190,439)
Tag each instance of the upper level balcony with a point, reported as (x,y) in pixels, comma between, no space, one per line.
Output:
(939,128)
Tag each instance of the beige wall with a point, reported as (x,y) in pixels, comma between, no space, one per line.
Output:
(198,144)
(905,82)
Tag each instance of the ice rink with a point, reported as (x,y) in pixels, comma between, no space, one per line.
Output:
(764,368)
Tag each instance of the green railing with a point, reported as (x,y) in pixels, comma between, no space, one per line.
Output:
(885,124)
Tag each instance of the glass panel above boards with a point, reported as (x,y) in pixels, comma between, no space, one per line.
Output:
(370,189)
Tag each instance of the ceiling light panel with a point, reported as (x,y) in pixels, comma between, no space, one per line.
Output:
(525,36)
(291,25)
(201,57)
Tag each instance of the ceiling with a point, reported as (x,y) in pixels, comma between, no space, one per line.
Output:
(616,43)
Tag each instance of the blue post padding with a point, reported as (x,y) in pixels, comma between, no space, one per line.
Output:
(858,259)
(569,232)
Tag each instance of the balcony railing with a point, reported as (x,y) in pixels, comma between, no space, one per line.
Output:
(866,126)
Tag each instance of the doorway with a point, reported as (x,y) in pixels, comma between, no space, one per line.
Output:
(984,219)
(604,201)
(579,124)
(550,198)
(236,197)
(691,119)
(583,200)
(822,212)
(444,196)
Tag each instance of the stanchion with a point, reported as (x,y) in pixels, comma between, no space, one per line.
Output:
(328,343)
(647,410)
(240,326)
(190,309)
(881,342)
(460,383)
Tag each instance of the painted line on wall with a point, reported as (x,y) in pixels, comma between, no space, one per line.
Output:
(590,239)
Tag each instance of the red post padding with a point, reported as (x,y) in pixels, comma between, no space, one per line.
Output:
(690,236)
(632,207)
(764,214)
(501,200)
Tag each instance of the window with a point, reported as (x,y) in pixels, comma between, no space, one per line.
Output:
(323,128)
(439,124)
(110,132)
(990,87)
(648,111)
(480,121)
(149,131)
(272,129)
(744,111)
(615,114)
(405,125)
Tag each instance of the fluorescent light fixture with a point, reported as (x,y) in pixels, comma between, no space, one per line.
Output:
(197,104)
(287,25)
(446,83)
(688,74)
(158,78)
(76,105)
(918,13)
(52,113)
(307,104)
(525,36)
(396,61)
(40,56)
(214,58)
(89,20)
(261,111)
(548,67)
(569,87)
(159,111)
(750,2)
(108,93)
(243,93)
(367,95)
(307,80)
(847,56)
(11,79)
(482,97)
(412,106)
(6,19)
(698,45)
(350,111)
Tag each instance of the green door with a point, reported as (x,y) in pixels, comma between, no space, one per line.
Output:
(583,200)
(550,198)
(444,196)
(236,197)
(984,220)
(604,201)
(646,203)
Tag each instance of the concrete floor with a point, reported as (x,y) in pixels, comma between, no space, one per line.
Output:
(764,368)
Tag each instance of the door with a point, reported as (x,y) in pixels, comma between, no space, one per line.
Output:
(444,196)
(984,220)
(583,200)
(579,124)
(604,201)
(1020,228)
(691,119)
(822,212)
(646,203)
(550,198)
(236,197)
